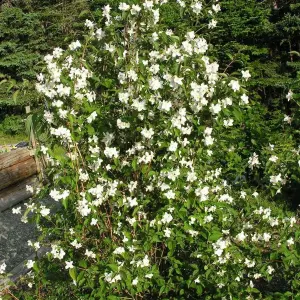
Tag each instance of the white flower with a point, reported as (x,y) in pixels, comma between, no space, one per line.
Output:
(165,105)
(57,253)
(293,221)
(83,176)
(173,146)
(266,237)
(16,211)
(2,268)
(119,250)
(75,45)
(57,195)
(89,24)
(106,13)
(249,263)
(135,9)
(49,117)
(44,211)
(155,83)
(273,158)
(57,52)
(219,246)
(132,202)
(40,77)
(167,232)
(246,74)
(154,69)
(57,103)
(170,194)
(124,6)
(150,275)
(111,48)
(191,176)
(181,3)
(155,37)
(30,264)
(289,95)
(216,7)
(287,119)
(148,4)
(203,193)
(290,241)
(147,133)
(270,270)
(243,194)
(135,281)
(167,218)
(83,208)
(111,152)
(144,263)
(276,179)
(245,99)
(76,245)
(212,24)
(208,218)
(132,75)
(234,84)
(139,105)
(241,236)
(208,131)
(215,108)
(122,125)
(208,140)
(94,221)
(92,117)
(69,265)
(61,132)
(124,97)
(253,160)
(90,254)
(196,7)
(100,34)
(228,123)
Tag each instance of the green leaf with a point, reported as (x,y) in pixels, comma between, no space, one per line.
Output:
(15,95)
(83,264)
(134,164)
(84,13)
(113,267)
(91,130)
(59,152)
(72,273)
(215,236)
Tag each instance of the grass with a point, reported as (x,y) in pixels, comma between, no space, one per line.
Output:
(12,139)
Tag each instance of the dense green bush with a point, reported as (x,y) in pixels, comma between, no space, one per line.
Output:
(12,125)
(164,168)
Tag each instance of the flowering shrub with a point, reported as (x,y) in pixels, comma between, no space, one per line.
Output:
(146,156)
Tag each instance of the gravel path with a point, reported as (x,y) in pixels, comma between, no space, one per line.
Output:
(14,235)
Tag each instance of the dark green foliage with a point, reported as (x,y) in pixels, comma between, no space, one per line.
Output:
(28,31)
(22,42)
(12,125)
